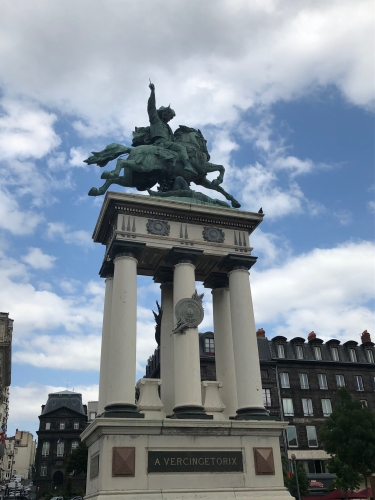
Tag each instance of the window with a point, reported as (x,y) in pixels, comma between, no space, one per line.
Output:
(75,445)
(307,407)
(312,439)
(373,382)
(264,373)
(76,425)
(364,402)
(62,425)
(291,433)
(267,397)
(304,380)
(370,356)
(43,470)
(335,354)
(48,426)
(317,352)
(284,378)
(280,351)
(314,466)
(60,449)
(93,413)
(352,355)
(299,352)
(322,379)
(288,407)
(45,449)
(326,407)
(358,383)
(340,380)
(209,346)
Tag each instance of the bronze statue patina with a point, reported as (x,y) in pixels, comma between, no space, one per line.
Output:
(159,156)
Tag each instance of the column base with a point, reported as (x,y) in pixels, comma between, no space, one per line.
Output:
(190,412)
(122,411)
(252,414)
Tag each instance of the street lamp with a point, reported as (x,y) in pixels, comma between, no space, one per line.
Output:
(293,457)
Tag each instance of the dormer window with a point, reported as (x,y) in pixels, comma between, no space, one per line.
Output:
(299,352)
(209,346)
(370,356)
(317,352)
(352,355)
(335,354)
(280,351)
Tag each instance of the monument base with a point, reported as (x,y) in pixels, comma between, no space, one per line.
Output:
(184,460)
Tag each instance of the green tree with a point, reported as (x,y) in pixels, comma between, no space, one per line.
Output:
(77,460)
(346,477)
(290,479)
(349,434)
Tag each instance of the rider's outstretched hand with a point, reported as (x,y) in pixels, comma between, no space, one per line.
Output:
(152,86)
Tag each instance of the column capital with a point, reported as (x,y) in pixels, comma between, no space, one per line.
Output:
(234,261)
(179,255)
(216,280)
(107,269)
(163,275)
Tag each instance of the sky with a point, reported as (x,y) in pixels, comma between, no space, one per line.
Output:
(282,90)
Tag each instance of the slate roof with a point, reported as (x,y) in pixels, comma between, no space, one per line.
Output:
(64,399)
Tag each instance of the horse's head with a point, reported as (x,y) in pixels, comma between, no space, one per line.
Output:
(191,137)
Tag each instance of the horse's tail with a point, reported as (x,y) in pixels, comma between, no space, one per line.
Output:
(111,152)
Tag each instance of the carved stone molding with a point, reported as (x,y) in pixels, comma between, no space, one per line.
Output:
(213,235)
(158,227)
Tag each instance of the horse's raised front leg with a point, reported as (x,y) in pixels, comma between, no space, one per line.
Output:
(125,181)
(113,174)
(211,167)
(210,185)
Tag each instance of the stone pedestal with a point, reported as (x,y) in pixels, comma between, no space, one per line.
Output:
(178,447)
(184,460)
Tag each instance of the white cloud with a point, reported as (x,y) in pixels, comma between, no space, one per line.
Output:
(39,310)
(325,290)
(62,230)
(258,187)
(223,58)
(77,155)
(371,206)
(344,216)
(13,218)
(25,130)
(270,248)
(39,260)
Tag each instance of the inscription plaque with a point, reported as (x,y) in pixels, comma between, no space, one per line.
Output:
(94,466)
(195,461)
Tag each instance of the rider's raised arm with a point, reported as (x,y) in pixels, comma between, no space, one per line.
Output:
(151,106)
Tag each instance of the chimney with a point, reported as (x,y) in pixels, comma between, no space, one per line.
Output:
(365,337)
(261,334)
(311,336)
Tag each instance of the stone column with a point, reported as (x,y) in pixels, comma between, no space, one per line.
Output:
(104,356)
(188,395)
(123,335)
(224,357)
(245,347)
(164,276)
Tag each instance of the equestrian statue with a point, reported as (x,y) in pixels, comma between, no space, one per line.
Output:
(173,160)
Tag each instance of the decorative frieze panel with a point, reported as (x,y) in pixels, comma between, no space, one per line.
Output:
(158,227)
(264,463)
(213,235)
(123,461)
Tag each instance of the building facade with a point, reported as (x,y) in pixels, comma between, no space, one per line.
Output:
(62,420)
(6,332)
(300,378)
(19,456)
